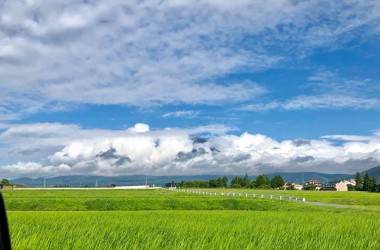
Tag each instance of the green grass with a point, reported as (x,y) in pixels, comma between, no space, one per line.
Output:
(160,219)
(194,230)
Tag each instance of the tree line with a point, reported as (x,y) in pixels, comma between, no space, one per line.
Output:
(262,181)
(367,183)
(5,182)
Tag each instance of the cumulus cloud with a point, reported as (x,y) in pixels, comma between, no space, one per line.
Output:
(140,128)
(142,53)
(72,150)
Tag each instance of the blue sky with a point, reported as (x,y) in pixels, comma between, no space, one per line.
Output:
(253,77)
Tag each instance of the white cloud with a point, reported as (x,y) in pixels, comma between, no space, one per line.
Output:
(317,102)
(57,149)
(182,113)
(211,129)
(356,138)
(34,169)
(145,53)
(327,91)
(140,128)
(331,101)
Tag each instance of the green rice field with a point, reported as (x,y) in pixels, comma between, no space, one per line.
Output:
(161,219)
(355,198)
(135,200)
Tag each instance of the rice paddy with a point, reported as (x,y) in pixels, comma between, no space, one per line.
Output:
(159,219)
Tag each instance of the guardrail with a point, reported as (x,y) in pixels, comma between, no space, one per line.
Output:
(270,196)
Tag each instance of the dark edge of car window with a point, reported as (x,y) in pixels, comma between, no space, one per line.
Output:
(5,243)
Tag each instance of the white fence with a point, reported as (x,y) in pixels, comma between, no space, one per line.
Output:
(270,196)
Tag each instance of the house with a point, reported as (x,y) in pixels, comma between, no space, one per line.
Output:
(317,183)
(298,186)
(350,181)
(295,185)
(335,185)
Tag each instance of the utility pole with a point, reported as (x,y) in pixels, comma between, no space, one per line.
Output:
(44,182)
(146,180)
(96,183)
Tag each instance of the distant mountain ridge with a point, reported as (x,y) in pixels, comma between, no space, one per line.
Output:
(132,180)
(104,181)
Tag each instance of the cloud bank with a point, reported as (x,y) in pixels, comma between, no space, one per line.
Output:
(58,149)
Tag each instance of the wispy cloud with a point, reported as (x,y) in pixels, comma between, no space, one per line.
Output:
(329,101)
(182,114)
(144,54)
(327,91)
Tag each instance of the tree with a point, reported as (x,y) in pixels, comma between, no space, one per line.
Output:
(4,182)
(219,182)
(246,181)
(310,187)
(194,184)
(367,182)
(259,181)
(350,187)
(359,181)
(291,187)
(277,182)
(374,184)
(213,183)
(237,181)
(224,181)
(262,181)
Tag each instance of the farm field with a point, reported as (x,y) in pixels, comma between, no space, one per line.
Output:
(194,230)
(160,219)
(364,199)
(132,200)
